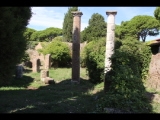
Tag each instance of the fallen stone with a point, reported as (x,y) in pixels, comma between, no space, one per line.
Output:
(49,80)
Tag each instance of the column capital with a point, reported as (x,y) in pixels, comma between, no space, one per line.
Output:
(111,12)
(77,13)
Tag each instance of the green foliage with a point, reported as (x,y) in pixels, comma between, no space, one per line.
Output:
(121,32)
(127,103)
(140,26)
(28,32)
(68,24)
(118,33)
(145,59)
(157,13)
(13,23)
(59,38)
(31,44)
(93,58)
(129,66)
(25,57)
(44,44)
(60,52)
(35,36)
(46,35)
(96,28)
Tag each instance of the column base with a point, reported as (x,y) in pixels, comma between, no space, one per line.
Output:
(75,82)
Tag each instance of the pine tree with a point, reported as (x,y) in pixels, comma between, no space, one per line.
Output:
(157,13)
(68,24)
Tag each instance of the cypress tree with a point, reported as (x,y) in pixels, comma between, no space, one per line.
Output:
(68,24)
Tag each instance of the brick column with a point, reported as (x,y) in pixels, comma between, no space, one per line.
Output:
(76,46)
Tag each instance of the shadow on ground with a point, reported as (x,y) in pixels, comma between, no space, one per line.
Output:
(62,97)
(21,82)
(27,71)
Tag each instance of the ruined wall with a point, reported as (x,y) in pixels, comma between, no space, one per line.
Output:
(154,72)
(33,54)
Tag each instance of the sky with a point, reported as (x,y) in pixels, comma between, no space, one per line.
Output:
(45,17)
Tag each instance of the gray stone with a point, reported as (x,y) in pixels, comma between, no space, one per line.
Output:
(44,74)
(19,71)
(49,80)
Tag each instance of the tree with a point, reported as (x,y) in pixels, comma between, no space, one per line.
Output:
(157,13)
(46,35)
(35,36)
(140,26)
(118,32)
(28,32)
(121,31)
(13,23)
(96,29)
(68,24)
(51,33)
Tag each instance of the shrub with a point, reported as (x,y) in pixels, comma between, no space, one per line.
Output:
(125,88)
(60,53)
(58,38)
(93,58)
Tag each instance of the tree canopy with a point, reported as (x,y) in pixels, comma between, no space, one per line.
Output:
(46,35)
(139,26)
(157,13)
(28,32)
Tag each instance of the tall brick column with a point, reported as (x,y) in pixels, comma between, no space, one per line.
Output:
(76,46)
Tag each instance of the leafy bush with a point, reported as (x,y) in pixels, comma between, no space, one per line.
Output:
(124,85)
(93,58)
(124,102)
(60,53)
(58,38)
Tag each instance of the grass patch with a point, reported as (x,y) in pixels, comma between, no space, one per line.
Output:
(62,97)
(30,95)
